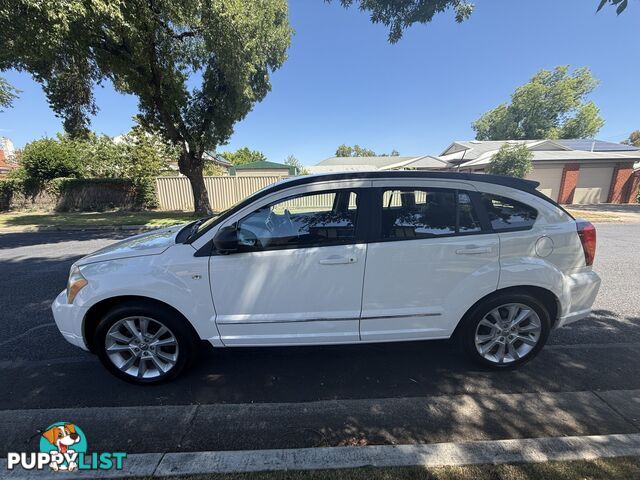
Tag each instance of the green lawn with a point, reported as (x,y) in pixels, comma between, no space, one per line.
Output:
(623,468)
(92,219)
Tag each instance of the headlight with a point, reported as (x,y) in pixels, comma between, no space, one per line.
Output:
(76,283)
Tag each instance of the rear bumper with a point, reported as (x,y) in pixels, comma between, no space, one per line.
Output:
(68,320)
(579,292)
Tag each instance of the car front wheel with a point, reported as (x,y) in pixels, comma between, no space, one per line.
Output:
(506,331)
(143,343)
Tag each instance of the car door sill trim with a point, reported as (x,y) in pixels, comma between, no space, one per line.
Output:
(303,320)
(382,317)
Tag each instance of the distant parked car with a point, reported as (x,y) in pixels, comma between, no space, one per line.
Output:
(340,259)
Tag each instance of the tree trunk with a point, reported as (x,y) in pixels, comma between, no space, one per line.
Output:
(192,168)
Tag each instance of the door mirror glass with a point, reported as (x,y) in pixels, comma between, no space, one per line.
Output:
(226,240)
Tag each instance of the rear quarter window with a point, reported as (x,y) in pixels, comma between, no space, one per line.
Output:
(508,214)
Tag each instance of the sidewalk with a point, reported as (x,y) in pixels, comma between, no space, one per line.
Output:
(421,420)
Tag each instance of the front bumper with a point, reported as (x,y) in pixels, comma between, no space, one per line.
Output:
(580,291)
(69,320)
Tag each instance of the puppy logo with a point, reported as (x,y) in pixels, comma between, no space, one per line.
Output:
(63,441)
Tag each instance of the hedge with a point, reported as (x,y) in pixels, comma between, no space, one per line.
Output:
(79,194)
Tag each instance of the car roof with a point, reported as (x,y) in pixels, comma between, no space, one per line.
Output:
(517,183)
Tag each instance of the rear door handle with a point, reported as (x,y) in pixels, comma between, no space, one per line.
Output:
(337,260)
(473,250)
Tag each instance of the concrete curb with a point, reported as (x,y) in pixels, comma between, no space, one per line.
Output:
(433,455)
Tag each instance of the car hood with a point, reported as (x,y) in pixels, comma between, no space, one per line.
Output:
(150,243)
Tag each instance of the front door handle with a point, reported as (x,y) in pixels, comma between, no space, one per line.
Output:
(337,260)
(473,250)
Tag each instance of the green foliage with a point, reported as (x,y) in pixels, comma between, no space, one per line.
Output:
(49,158)
(135,155)
(243,155)
(7,94)
(213,170)
(358,151)
(399,15)
(551,105)
(394,153)
(620,5)
(633,139)
(512,161)
(196,67)
(355,151)
(292,161)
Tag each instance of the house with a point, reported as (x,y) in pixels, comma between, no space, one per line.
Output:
(6,165)
(363,164)
(569,171)
(263,168)
(208,158)
(584,171)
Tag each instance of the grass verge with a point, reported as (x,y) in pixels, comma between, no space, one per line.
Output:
(596,216)
(92,219)
(622,468)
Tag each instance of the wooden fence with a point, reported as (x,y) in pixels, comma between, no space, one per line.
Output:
(174,193)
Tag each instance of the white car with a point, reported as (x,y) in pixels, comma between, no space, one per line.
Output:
(340,259)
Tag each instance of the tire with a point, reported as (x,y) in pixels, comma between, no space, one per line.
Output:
(520,345)
(141,359)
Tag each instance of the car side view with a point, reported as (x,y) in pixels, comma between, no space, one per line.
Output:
(340,259)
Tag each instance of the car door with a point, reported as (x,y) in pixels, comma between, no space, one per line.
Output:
(297,275)
(430,260)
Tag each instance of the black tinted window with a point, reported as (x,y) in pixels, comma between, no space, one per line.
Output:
(467,217)
(307,220)
(505,213)
(418,213)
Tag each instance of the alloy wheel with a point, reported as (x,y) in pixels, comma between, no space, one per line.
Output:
(508,333)
(141,347)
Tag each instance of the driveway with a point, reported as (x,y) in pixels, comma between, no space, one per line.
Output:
(584,382)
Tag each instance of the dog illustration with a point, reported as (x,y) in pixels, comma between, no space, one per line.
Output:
(63,436)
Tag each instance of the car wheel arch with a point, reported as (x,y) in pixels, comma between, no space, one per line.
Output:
(97,311)
(545,296)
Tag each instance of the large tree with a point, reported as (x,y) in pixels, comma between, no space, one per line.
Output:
(196,67)
(399,15)
(551,105)
(512,161)
(633,139)
(358,151)
(355,151)
(7,94)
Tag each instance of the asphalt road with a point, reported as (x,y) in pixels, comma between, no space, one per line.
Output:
(596,357)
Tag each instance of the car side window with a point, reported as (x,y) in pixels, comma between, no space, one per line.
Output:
(314,219)
(426,213)
(506,214)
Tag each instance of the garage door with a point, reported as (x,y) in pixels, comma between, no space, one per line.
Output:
(593,185)
(549,178)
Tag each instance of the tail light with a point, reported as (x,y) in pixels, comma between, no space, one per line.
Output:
(587,234)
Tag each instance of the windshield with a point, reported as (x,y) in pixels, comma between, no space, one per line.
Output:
(205,224)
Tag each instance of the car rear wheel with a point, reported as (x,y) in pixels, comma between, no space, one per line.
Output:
(506,331)
(144,344)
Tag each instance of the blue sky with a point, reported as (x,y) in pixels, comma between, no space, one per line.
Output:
(344,83)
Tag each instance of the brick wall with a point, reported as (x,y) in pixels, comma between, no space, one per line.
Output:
(570,174)
(622,190)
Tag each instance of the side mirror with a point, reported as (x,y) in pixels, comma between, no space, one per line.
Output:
(226,240)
